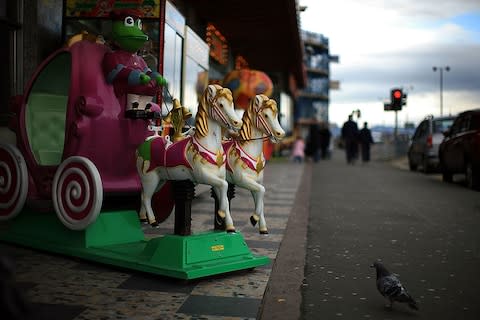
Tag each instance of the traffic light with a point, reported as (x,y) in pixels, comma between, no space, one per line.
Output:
(404,99)
(396,98)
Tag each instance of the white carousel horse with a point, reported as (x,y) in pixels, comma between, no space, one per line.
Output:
(245,159)
(199,158)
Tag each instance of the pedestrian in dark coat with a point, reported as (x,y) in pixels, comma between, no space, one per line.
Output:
(325,136)
(366,140)
(350,137)
(313,144)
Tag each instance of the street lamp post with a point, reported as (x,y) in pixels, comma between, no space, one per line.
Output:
(447,68)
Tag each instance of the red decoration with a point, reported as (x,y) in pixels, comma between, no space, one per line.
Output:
(246,83)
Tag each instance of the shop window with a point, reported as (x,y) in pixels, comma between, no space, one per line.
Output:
(196,70)
(173,54)
(172,63)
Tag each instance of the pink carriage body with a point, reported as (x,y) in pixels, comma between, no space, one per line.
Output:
(95,126)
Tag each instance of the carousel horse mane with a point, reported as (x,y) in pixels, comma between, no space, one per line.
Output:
(201,123)
(245,132)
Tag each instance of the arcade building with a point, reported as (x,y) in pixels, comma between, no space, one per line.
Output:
(192,43)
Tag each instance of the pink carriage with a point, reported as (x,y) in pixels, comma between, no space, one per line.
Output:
(75,149)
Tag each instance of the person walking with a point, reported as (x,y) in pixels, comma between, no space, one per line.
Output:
(366,139)
(325,136)
(298,150)
(313,143)
(350,138)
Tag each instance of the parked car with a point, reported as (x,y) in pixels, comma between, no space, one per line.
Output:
(460,150)
(423,149)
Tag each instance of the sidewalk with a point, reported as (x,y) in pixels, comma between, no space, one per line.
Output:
(61,287)
(421,228)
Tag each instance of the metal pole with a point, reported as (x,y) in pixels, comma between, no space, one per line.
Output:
(441,92)
(396,125)
(435,68)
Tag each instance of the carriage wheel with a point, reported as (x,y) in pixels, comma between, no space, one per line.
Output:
(13,181)
(77,192)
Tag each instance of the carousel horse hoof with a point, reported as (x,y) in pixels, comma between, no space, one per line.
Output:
(263,231)
(143,220)
(230,229)
(154,224)
(254,219)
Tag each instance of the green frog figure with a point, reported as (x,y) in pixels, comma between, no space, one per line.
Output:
(135,84)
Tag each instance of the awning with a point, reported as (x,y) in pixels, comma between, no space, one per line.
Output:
(265,32)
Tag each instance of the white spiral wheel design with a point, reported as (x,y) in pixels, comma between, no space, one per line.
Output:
(77,192)
(13,181)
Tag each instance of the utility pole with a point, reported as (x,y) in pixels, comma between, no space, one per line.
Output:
(447,68)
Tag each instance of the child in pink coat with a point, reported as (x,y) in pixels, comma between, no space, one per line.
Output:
(298,150)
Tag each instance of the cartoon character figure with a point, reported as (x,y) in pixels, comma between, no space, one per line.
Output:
(102,8)
(178,116)
(135,84)
(148,8)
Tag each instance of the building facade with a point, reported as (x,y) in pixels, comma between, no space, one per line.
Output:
(313,101)
(194,42)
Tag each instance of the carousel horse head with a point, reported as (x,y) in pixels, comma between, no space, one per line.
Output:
(216,104)
(262,115)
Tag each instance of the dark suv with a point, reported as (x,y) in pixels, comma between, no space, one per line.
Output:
(459,152)
(423,149)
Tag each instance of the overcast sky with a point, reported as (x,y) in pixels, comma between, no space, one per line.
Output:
(384,44)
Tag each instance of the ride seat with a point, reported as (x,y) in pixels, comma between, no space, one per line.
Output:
(46,126)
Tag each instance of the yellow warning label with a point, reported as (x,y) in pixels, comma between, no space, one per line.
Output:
(218,247)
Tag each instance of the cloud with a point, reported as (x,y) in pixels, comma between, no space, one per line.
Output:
(385,44)
(366,78)
(432,9)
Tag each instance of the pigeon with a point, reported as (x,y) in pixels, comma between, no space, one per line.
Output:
(391,288)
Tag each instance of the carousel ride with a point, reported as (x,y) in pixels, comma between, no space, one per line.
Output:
(88,134)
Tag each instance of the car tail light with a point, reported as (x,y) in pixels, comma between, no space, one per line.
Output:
(429,141)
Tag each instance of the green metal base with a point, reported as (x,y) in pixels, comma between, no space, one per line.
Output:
(116,238)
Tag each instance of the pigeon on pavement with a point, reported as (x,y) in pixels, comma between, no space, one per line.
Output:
(391,288)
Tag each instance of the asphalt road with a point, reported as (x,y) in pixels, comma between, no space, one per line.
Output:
(421,228)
